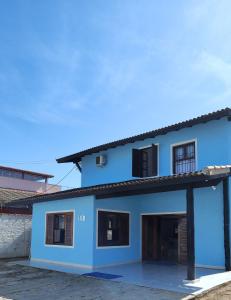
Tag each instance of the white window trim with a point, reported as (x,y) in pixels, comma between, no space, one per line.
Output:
(183,143)
(45,231)
(117,211)
(183,213)
(158,158)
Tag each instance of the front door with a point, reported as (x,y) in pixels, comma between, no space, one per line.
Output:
(161,239)
(150,237)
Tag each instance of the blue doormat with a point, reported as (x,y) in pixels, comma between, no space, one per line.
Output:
(102,275)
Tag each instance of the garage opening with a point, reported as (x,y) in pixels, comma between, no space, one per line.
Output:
(164,238)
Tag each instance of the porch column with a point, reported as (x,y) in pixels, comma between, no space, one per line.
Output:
(226,208)
(190,234)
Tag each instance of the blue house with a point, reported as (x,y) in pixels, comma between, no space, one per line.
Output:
(161,195)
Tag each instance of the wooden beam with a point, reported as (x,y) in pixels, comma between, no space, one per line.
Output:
(190,234)
(226,208)
(78,166)
(15,211)
(150,189)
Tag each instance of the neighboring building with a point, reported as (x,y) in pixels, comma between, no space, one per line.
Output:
(160,195)
(15,222)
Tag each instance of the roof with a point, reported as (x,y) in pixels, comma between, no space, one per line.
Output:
(9,195)
(26,172)
(151,134)
(131,187)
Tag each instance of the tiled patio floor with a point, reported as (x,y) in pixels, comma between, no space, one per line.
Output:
(155,275)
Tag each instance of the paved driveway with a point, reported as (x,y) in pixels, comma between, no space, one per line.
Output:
(22,283)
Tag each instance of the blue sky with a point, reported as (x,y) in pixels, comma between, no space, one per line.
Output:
(75,74)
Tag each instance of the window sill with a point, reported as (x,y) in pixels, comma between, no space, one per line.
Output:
(58,246)
(112,247)
(154,176)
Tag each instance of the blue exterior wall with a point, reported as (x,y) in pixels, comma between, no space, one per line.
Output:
(82,252)
(213,148)
(213,141)
(209,236)
(136,205)
(209,226)
(114,255)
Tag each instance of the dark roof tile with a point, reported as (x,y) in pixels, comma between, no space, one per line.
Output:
(189,123)
(130,185)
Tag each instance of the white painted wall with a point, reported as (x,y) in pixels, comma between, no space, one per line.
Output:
(15,235)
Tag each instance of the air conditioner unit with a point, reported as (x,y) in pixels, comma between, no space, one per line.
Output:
(101,160)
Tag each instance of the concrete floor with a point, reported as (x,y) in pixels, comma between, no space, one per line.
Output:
(170,277)
(20,282)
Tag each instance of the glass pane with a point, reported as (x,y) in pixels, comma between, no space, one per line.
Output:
(185,166)
(109,235)
(179,153)
(190,151)
(110,224)
(56,222)
(57,235)
(61,222)
(147,162)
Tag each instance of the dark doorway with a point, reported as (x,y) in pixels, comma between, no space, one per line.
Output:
(168,237)
(163,238)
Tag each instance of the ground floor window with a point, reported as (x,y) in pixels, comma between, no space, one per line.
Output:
(59,228)
(113,228)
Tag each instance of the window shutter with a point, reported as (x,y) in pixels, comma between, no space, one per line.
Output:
(154,160)
(69,229)
(49,228)
(136,163)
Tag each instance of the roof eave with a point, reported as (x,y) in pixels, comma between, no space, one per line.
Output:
(76,157)
(165,184)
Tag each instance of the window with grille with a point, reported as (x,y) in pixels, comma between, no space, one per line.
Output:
(184,158)
(113,229)
(59,228)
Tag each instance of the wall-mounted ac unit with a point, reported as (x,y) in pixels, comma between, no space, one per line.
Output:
(101,160)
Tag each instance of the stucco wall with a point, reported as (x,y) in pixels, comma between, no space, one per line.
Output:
(82,250)
(213,141)
(209,236)
(137,205)
(209,226)
(15,235)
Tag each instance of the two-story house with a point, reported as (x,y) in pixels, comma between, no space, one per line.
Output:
(161,195)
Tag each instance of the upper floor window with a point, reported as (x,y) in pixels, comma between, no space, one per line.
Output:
(59,228)
(184,158)
(145,161)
